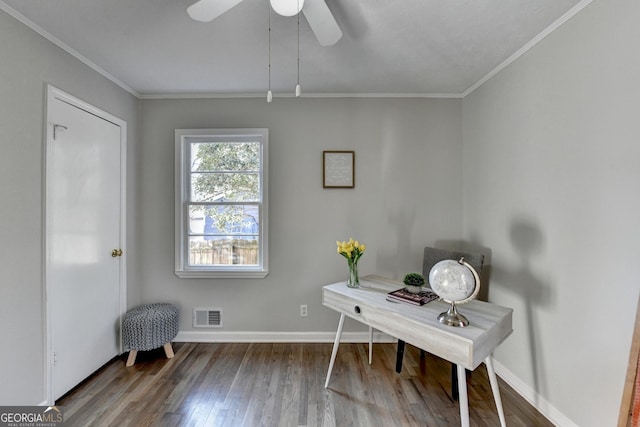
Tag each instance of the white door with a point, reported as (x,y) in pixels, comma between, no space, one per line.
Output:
(83,227)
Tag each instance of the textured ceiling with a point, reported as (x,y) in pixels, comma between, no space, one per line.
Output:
(413,47)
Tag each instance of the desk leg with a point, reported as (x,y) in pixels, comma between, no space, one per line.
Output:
(336,344)
(370,344)
(495,389)
(464,402)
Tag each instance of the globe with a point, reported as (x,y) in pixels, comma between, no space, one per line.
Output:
(455,282)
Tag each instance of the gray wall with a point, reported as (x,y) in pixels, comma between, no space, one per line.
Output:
(27,63)
(407,195)
(551,181)
(547,180)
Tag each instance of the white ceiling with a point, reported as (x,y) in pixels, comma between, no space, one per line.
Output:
(410,47)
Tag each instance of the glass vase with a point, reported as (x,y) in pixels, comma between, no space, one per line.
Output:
(353,281)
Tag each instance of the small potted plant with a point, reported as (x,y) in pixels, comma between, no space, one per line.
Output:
(414,282)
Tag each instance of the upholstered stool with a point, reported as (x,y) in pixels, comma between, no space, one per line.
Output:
(149,326)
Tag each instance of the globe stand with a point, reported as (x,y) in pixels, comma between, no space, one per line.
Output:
(451,317)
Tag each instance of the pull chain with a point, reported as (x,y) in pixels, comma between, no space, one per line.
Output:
(269,94)
(298,91)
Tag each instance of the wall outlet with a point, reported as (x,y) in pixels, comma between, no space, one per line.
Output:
(303,310)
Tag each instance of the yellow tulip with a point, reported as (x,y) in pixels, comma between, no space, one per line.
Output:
(351,249)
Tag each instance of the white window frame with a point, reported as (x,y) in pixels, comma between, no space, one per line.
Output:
(183,137)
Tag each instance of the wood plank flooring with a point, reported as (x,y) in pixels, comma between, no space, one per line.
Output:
(276,384)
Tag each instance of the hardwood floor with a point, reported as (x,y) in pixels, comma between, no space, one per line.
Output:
(243,384)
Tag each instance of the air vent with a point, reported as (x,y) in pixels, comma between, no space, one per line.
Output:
(207,317)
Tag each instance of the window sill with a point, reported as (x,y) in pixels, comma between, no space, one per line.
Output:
(202,274)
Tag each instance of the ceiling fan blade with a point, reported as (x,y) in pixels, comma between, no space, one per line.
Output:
(208,10)
(322,22)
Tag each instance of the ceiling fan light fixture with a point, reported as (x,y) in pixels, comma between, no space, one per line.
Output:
(287,7)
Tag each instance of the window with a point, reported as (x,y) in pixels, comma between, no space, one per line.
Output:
(221,203)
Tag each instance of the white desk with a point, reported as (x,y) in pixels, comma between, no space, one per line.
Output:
(490,324)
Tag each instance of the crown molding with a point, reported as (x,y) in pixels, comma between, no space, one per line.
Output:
(524,49)
(291,95)
(537,39)
(50,37)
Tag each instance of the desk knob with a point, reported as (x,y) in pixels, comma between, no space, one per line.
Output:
(357,309)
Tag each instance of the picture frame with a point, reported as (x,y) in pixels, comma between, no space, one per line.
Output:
(338,169)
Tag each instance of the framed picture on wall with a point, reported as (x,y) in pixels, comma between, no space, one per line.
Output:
(338,169)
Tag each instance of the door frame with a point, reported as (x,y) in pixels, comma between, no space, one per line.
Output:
(52,94)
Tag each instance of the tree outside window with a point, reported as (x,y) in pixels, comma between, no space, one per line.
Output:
(223,186)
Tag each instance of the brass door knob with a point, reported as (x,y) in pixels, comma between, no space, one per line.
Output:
(116,252)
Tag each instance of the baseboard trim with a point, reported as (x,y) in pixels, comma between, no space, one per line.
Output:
(533,397)
(256,336)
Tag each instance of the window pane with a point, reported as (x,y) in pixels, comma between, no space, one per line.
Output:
(225,156)
(226,250)
(215,222)
(225,187)
(221,203)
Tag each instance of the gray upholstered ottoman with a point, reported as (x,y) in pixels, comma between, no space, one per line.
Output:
(149,326)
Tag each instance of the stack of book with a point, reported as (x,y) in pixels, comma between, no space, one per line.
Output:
(417,299)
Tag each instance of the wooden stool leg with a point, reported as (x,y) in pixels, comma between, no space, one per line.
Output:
(132,357)
(168,350)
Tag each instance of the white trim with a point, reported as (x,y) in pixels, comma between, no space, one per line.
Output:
(56,41)
(524,49)
(555,25)
(533,397)
(183,138)
(258,336)
(224,274)
(381,95)
(291,95)
(53,93)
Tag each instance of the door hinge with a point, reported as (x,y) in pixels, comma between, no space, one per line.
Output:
(55,357)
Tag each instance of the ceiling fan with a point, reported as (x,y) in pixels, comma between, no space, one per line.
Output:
(320,19)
